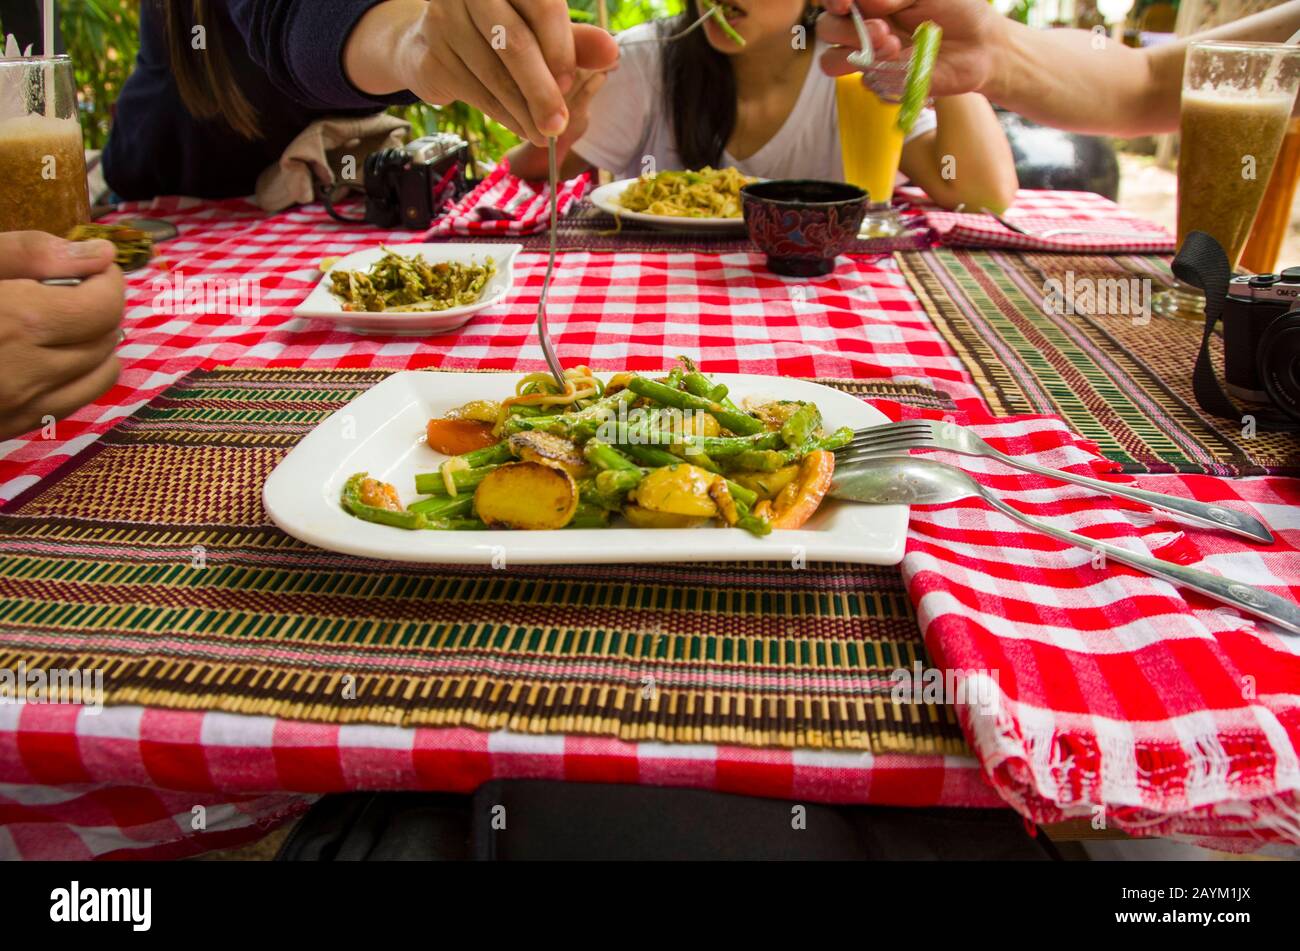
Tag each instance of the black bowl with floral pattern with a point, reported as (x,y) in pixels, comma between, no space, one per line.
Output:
(802,224)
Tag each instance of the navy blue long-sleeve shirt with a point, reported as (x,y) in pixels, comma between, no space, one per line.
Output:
(287,59)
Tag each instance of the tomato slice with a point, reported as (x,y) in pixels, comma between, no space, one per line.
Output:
(455,437)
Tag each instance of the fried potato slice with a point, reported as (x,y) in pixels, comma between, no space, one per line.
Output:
(526,495)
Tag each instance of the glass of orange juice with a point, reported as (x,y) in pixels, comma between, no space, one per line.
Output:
(871,143)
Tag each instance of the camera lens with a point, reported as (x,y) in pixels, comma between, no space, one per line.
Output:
(1279,363)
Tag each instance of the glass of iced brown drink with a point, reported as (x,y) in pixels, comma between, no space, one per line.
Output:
(1236,106)
(42,160)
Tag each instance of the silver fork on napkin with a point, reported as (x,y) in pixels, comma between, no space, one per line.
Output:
(906,480)
(898,438)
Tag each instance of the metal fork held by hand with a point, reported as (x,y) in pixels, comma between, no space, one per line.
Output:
(898,438)
(543,332)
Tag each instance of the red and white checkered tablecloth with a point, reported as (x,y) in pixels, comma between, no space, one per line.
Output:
(1117,697)
(126,783)
(631,310)
(528,205)
(1115,231)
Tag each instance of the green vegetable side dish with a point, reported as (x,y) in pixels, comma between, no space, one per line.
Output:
(399,284)
(134,247)
(667,452)
(920,69)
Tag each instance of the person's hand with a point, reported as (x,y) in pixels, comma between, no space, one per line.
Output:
(584,90)
(972,35)
(56,343)
(513,59)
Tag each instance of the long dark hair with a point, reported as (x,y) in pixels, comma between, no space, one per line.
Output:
(204,77)
(701,89)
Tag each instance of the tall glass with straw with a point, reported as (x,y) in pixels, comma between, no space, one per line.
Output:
(42,157)
(1236,105)
(876,109)
(871,142)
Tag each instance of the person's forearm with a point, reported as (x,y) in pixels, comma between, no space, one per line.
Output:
(1085,82)
(969,161)
(1080,81)
(372,58)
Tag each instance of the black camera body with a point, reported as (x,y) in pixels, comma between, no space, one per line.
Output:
(1261,339)
(413,185)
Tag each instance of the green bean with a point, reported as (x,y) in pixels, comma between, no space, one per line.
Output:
(490,456)
(836,440)
(696,457)
(720,447)
(589,516)
(802,423)
(656,458)
(444,506)
(720,18)
(459,525)
(770,460)
(431,483)
(604,456)
(578,425)
(697,384)
(764,460)
(741,495)
(649,456)
(350,499)
(744,500)
(616,481)
(739,423)
(589,494)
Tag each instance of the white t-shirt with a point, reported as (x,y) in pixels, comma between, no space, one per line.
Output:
(629,121)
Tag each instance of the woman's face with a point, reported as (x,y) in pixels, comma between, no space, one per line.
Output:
(758,21)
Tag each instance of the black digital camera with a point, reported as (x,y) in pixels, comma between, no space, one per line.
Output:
(1261,339)
(412,186)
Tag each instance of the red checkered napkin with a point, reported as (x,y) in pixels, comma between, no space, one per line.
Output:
(528,206)
(1039,211)
(1114,696)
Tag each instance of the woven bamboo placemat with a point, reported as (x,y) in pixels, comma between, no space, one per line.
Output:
(150,557)
(1122,382)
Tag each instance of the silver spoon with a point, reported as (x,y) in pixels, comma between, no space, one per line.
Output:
(907,480)
(543,333)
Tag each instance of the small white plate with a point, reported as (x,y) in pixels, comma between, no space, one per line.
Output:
(382,432)
(321,304)
(606,198)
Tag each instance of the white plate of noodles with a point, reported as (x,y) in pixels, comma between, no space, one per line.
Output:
(704,200)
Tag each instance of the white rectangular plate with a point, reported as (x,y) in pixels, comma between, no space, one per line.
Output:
(321,304)
(382,432)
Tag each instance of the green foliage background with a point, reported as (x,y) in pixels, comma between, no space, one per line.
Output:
(102,39)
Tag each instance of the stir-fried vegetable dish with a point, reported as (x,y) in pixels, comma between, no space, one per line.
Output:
(708,193)
(405,284)
(668,452)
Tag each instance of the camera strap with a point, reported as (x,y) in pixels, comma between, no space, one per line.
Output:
(1202,262)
